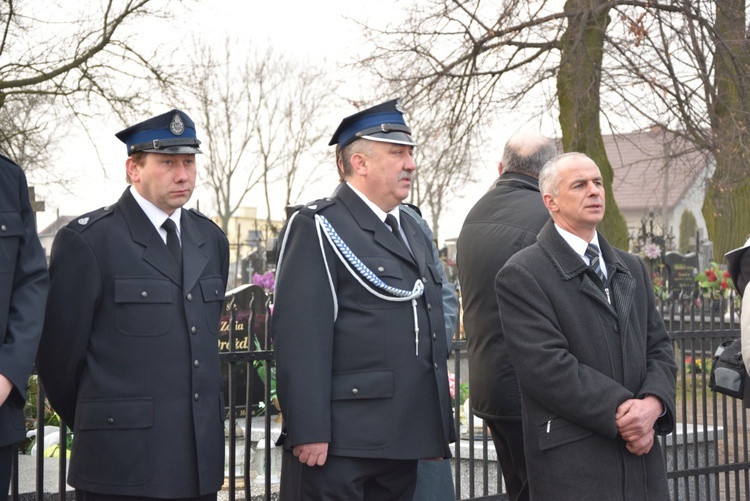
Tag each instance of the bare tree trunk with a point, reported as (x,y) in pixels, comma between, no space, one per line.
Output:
(725,207)
(578,91)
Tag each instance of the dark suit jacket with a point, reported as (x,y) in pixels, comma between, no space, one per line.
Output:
(355,380)
(578,358)
(129,354)
(505,220)
(23,292)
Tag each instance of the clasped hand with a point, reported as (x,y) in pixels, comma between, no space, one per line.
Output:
(635,420)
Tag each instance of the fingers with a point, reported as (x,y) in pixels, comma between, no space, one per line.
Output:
(311,454)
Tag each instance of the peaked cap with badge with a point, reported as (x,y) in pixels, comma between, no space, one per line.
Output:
(383,122)
(171,133)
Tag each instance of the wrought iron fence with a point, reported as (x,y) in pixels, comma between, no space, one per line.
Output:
(706,456)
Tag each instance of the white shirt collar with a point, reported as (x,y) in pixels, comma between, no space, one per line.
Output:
(156,215)
(579,245)
(377,210)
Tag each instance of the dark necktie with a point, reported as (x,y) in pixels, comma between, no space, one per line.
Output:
(390,220)
(592,252)
(173,241)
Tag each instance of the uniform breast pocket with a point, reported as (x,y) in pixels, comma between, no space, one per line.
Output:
(143,306)
(383,271)
(212,291)
(11,229)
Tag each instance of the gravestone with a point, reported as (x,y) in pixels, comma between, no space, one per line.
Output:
(247,304)
(681,270)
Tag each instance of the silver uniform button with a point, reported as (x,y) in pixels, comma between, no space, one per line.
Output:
(381,269)
(4,228)
(196,363)
(355,391)
(193,330)
(144,294)
(189,297)
(196,397)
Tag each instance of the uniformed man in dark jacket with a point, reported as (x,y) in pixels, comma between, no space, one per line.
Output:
(23,291)
(129,353)
(358,328)
(505,220)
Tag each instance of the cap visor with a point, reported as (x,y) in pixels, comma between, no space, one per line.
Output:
(391,137)
(176,150)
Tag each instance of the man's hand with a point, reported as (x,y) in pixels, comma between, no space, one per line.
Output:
(5,388)
(311,454)
(635,420)
(641,445)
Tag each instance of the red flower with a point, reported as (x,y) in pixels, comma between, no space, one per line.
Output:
(711,275)
(726,274)
(724,285)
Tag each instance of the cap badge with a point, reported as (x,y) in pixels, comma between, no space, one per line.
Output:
(176,127)
(83,221)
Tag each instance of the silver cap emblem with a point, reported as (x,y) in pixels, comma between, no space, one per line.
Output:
(176,127)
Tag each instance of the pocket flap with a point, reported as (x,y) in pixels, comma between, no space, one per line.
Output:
(562,432)
(111,414)
(212,289)
(364,384)
(10,224)
(383,266)
(143,290)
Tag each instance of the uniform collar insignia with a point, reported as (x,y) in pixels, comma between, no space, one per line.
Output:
(83,221)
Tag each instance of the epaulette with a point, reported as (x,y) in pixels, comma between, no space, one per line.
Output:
(312,208)
(198,213)
(87,220)
(413,207)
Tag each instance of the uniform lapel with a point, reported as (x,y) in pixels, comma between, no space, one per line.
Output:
(194,260)
(143,232)
(367,220)
(413,233)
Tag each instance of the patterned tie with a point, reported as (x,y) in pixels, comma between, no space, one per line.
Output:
(592,252)
(390,220)
(173,241)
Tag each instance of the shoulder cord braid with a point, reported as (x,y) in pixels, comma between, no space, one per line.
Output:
(341,250)
(347,258)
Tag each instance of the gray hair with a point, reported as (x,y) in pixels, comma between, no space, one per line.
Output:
(527,153)
(344,155)
(549,177)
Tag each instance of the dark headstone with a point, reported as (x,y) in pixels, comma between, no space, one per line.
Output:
(681,271)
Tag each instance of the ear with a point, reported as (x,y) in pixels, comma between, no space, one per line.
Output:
(550,202)
(499,168)
(132,170)
(359,164)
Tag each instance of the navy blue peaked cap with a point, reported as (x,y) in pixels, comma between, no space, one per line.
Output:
(172,133)
(383,122)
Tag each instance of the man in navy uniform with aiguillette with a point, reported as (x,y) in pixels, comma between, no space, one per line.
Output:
(129,352)
(358,328)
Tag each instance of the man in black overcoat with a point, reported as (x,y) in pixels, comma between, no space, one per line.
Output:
(358,328)
(23,292)
(594,362)
(505,220)
(129,353)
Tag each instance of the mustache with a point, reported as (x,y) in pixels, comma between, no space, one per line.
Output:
(404,176)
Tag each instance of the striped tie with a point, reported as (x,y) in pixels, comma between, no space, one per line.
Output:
(592,252)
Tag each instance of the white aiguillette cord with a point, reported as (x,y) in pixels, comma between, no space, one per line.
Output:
(349,260)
